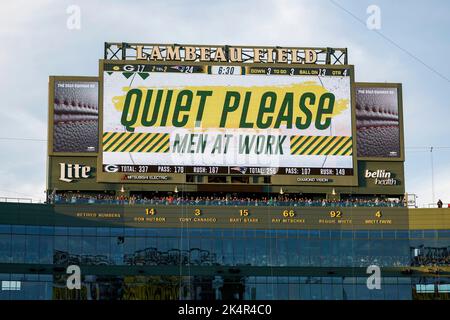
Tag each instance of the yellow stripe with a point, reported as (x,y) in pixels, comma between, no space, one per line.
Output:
(324,142)
(294,141)
(303,138)
(138,141)
(327,149)
(347,145)
(320,140)
(153,144)
(336,147)
(349,152)
(114,143)
(144,145)
(114,136)
(122,142)
(107,135)
(162,142)
(302,149)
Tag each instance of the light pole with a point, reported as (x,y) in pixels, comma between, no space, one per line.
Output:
(432,174)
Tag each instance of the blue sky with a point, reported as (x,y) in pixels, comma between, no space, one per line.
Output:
(410,48)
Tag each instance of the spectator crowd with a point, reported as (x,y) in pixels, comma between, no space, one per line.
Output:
(213,200)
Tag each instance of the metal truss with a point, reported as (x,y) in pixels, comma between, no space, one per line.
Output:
(128,51)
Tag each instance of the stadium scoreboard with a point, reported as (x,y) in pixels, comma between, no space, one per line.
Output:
(195,114)
(234,119)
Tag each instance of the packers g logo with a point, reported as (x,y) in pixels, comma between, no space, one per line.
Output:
(111,168)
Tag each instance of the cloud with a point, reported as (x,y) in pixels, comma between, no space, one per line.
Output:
(36,43)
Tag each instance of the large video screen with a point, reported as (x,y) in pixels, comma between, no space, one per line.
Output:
(230,119)
(378,127)
(75,115)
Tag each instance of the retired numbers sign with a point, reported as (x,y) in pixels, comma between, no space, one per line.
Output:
(231,119)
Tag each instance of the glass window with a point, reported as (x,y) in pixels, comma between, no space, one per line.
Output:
(227,252)
(19,245)
(325,234)
(228,233)
(387,234)
(250,247)
(325,253)
(303,252)
(129,248)
(89,248)
(18,229)
(239,251)
(75,244)
(294,291)
(444,234)
(282,291)
(239,233)
(443,288)
(302,234)
(349,292)
(335,234)
(46,249)
(314,234)
(292,256)
(338,291)
(129,232)
(140,232)
(261,291)
(195,233)
(61,243)
(305,291)
(5,248)
(316,291)
(150,232)
(61,231)
(402,234)
(361,253)
(375,234)
(314,252)
(140,243)
(430,234)
(117,231)
(168,232)
(74,231)
(116,245)
(103,232)
(261,252)
(47,230)
(390,292)
(89,231)
(32,229)
(46,277)
(327,291)
(361,234)
(416,234)
(362,292)
(103,250)
(5,228)
(347,234)
(260,233)
(32,253)
(282,252)
(217,249)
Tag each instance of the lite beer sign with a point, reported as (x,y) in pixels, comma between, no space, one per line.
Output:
(69,172)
